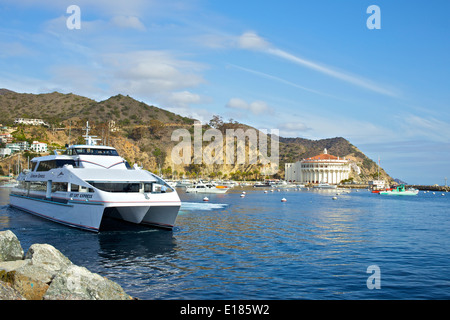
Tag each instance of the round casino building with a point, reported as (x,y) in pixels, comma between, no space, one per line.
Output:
(323,168)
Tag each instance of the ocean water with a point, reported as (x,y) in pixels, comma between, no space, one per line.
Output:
(257,247)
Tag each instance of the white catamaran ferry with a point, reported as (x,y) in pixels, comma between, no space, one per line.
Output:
(90,182)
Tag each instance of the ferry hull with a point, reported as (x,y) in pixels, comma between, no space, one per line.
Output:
(82,215)
(163,217)
(159,216)
(89,215)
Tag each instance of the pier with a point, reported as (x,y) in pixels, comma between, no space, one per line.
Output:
(429,188)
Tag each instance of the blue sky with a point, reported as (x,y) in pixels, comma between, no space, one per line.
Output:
(311,69)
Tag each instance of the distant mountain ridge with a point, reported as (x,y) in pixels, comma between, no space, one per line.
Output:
(142,132)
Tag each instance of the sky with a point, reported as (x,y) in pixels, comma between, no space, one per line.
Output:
(311,69)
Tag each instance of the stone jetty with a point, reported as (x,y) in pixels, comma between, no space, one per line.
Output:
(44,273)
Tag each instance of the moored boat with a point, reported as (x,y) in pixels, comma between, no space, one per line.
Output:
(325,186)
(208,187)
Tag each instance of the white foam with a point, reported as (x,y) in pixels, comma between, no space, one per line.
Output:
(191,206)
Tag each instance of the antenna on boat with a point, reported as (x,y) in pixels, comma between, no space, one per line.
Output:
(90,141)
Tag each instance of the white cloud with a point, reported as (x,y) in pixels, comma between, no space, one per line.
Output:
(151,72)
(128,22)
(250,40)
(292,129)
(255,107)
(184,98)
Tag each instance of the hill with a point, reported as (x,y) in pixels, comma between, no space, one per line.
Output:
(142,133)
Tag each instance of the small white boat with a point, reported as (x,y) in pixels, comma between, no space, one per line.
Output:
(208,187)
(228,183)
(325,186)
(283,184)
(184,183)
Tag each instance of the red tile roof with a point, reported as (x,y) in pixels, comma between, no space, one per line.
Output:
(323,156)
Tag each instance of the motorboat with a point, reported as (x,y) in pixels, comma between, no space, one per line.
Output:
(228,183)
(90,182)
(400,190)
(183,183)
(325,186)
(262,185)
(283,184)
(208,187)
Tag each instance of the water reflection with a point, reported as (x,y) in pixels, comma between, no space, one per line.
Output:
(118,241)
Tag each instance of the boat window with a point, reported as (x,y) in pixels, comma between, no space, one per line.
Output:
(52,164)
(95,152)
(38,185)
(77,188)
(116,186)
(59,186)
(148,187)
(46,165)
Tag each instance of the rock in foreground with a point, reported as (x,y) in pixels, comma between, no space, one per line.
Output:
(44,273)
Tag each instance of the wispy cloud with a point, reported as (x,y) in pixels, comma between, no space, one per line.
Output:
(292,129)
(424,127)
(252,41)
(255,107)
(278,79)
(128,22)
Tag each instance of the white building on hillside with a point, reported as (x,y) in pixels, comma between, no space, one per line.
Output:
(38,147)
(18,146)
(33,122)
(4,152)
(323,168)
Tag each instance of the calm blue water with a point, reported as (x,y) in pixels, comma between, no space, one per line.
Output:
(257,247)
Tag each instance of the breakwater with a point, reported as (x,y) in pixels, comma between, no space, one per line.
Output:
(429,188)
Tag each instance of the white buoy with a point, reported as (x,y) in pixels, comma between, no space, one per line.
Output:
(242,195)
(205,199)
(334,198)
(265,191)
(283,200)
(443,194)
(243,192)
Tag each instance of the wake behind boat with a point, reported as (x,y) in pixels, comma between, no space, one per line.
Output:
(90,182)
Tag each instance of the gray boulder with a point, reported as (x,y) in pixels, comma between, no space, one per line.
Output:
(10,248)
(78,283)
(45,262)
